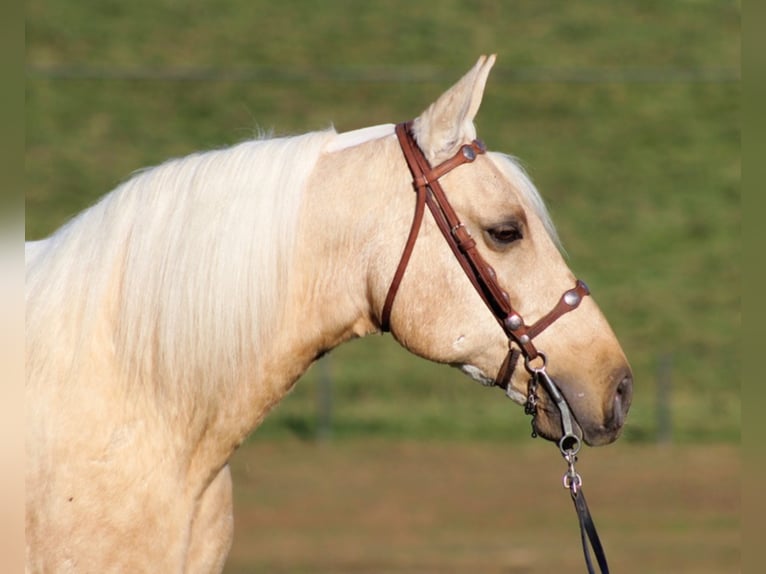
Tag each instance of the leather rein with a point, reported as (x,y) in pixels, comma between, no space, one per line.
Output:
(429,193)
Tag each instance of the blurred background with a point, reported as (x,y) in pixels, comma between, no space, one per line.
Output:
(626,116)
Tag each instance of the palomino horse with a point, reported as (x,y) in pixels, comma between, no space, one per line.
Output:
(166,320)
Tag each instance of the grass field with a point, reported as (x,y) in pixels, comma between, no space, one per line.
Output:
(406,507)
(626,115)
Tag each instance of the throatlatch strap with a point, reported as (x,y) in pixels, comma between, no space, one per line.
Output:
(385,316)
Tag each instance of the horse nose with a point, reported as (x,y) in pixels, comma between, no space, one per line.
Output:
(623,394)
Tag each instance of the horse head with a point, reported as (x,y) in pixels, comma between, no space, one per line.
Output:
(438,314)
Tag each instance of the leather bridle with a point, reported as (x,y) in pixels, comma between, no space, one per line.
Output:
(483,277)
(429,193)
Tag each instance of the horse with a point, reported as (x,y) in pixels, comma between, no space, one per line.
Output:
(166,320)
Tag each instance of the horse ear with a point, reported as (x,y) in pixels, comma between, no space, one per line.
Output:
(448,122)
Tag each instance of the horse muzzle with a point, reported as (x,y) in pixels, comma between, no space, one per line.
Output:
(596,427)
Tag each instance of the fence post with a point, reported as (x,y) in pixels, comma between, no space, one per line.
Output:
(324,400)
(664,387)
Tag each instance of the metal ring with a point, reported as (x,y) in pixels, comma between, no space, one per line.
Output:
(540,369)
(570,444)
(572,482)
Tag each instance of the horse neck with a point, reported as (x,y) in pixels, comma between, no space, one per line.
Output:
(329,294)
(332,292)
(347,215)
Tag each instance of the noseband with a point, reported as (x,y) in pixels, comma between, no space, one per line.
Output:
(484,279)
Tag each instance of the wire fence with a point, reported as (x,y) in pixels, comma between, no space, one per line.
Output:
(393,75)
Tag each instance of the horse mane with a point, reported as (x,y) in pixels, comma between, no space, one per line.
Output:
(513,169)
(178,270)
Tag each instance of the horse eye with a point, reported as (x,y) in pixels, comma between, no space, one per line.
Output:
(505,234)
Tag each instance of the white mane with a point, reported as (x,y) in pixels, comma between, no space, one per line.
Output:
(183,263)
(521,181)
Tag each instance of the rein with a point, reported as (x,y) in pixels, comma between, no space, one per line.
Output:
(429,193)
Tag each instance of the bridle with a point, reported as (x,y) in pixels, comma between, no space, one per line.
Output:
(429,193)
(483,277)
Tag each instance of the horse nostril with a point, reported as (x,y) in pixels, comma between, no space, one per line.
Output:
(623,395)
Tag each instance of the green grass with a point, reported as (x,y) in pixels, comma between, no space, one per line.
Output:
(625,114)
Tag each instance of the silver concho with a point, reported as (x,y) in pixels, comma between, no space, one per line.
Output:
(571,298)
(514,322)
